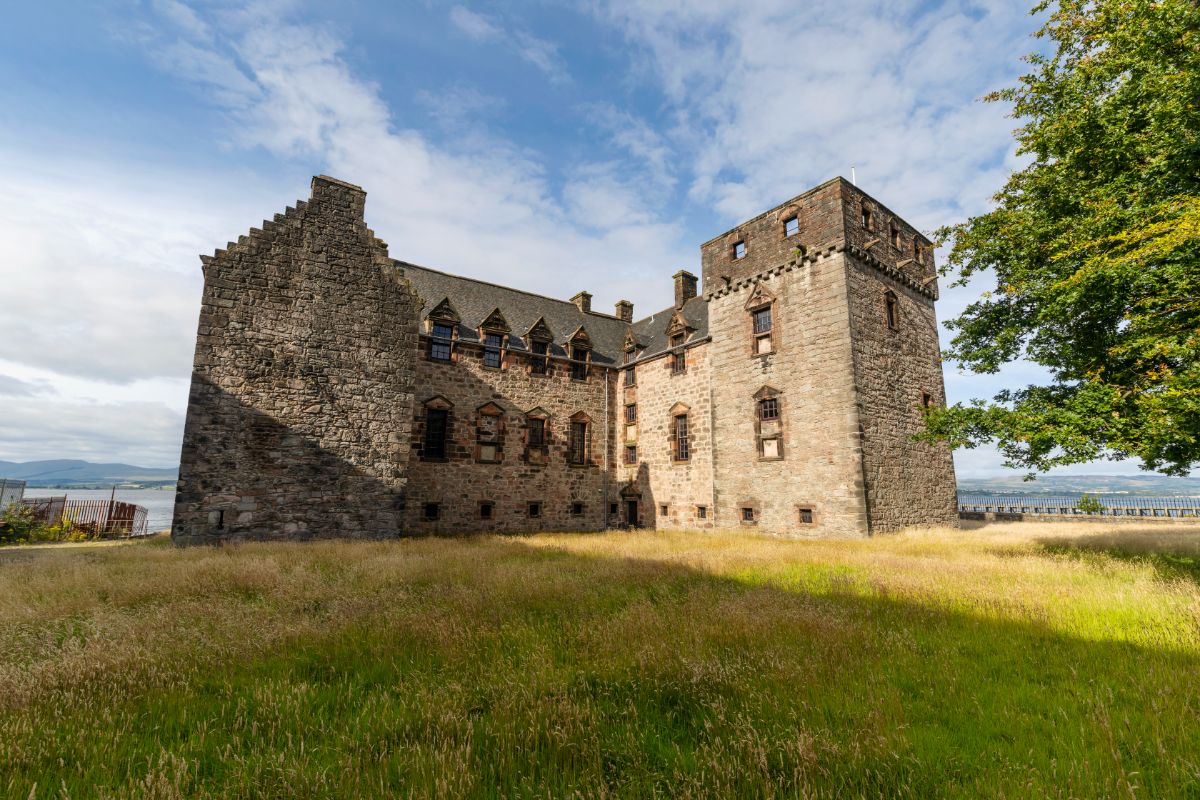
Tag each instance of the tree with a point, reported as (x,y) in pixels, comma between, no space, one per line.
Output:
(1095,247)
(1089,504)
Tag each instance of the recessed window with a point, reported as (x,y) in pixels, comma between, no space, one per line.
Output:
(806,516)
(747,514)
(679,357)
(768,408)
(631,412)
(701,512)
(682,444)
(895,231)
(662,510)
(739,250)
(576,509)
(537,431)
(579,363)
(441,342)
(492,343)
(540,358)
(916,249)
(770,447)
(612,508)
(578,443)
(631,377)
(535,510)
(926,400)
(487,510)
(791,226)
(631,454)
(763,326)
(435,432)
(432,511)
(893,310)
(866,218)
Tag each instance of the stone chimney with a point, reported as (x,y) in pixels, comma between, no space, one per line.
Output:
(685,287)
(625,310)
(583,301)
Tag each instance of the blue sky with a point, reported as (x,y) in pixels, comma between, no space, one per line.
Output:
(551,146)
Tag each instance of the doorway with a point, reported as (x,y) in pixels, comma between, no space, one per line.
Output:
(631,513)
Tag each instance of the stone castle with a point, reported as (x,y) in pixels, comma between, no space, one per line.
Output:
(339,392)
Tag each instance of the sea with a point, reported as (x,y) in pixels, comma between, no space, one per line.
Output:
(159,503)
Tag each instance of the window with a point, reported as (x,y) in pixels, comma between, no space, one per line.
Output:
(791,226)
(612,508)
(539,359)
(631,412)
(679,357)
(866,218)
(487,509)
(893,311)
(739,250)
(926,400)
(763,326)
(663,509)
(435,432)
(488,433)
(631,377)
(682,449)
(895,236)
(916,249)
(441,342)
(768,409)
(537,432)
(579,365)
(701,512)
(631,454)
(492,342)
(806,516)
(747,514)
(576,509)
(535,510)
(432,511)
(578,445)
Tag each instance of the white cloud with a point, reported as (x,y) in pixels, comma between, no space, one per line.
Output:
(540,53)
(133,432)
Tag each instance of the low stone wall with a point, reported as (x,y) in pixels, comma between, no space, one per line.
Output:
(995,516)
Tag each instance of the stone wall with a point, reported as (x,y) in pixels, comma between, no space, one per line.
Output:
(659,479)
(461,482)
(300,409)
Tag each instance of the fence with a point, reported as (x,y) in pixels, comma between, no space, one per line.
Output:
(103,518)
(11,491)
(1111,506)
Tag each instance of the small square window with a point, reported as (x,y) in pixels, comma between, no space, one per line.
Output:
(701,512)
(487,510)
(806,516)
(612,508)
(768,408)
(577,509)
(791,226)
(739,250)
(747,514)
(433,511)
(535,510)
(662,510)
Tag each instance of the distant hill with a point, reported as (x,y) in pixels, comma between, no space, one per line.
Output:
(80,474)
(1147,484)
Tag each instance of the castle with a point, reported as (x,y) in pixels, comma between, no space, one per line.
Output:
(339,392)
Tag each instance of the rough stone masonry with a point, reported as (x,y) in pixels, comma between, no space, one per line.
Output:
(337,392)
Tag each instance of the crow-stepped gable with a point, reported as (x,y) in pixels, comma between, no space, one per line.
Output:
(339,392)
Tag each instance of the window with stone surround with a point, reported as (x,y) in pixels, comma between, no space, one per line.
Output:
(437,427)
(791,226)
(537,436)
(493,346)
(701,512)
(768,423)
(579,362)
(539,358)
(763,320)
(891,310)
(578,443)
(739,250)
(489,433)
(631,454)
(631,412)
(679,357)
(866,218)
(577,509)
(895,235)
(663,510)
(441,341)
(807,517)
(916,250)
(680,436)
(768,408)
(631,376)
(748,514)
(926,400)
(535,509)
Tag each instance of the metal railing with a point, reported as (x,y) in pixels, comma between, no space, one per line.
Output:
(1068,505)
(100,518)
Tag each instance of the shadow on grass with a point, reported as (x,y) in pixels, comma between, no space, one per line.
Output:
(509,670)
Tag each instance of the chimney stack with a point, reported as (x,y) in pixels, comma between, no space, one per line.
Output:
(625,311)
(685,287)
(583,302)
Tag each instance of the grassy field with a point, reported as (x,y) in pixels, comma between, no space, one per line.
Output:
(1010,661)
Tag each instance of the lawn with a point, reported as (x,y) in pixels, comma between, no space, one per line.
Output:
(1008,661)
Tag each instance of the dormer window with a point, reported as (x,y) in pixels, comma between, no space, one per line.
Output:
(539,359)
(791,226)
(441,341)
(739,250)
(579,362)
(492,345)
(679,357)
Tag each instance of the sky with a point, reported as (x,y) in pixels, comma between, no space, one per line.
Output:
(554,147)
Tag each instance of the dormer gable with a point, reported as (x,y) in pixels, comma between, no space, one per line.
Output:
(580,338)
(540,331)
(444,312)
(678,324)
(495,323)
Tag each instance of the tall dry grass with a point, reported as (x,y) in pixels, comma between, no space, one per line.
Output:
(1031,660)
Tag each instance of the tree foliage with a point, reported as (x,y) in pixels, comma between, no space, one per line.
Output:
(1095,247)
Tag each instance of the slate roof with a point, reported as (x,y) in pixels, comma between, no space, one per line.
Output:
(475,300)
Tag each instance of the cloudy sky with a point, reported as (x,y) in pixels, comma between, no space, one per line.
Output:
(550,146)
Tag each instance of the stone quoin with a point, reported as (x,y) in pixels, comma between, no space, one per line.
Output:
(338,392)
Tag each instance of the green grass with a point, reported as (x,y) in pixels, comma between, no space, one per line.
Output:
(1011,661)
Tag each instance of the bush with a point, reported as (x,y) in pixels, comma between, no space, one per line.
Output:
(1089,504)
(17,524)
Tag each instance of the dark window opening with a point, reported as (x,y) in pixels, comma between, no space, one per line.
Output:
(579,365)
(926,400)
(538,361)
(747,514)
(220,521)
(578,448)
(916,249)
(806,516)
(613,508)
(491,349)
(486,510)
(762,320)
(441,343)
(739,250)
(631,454)
(537,432)
(576,509)
(895,236)
(535,510)
(701,512)
(662,510)
(791,226)
(681,438)
(435,432)
(631,377)
(866,218)
(893,316)
(631,412)
(432,511)
(768,408)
